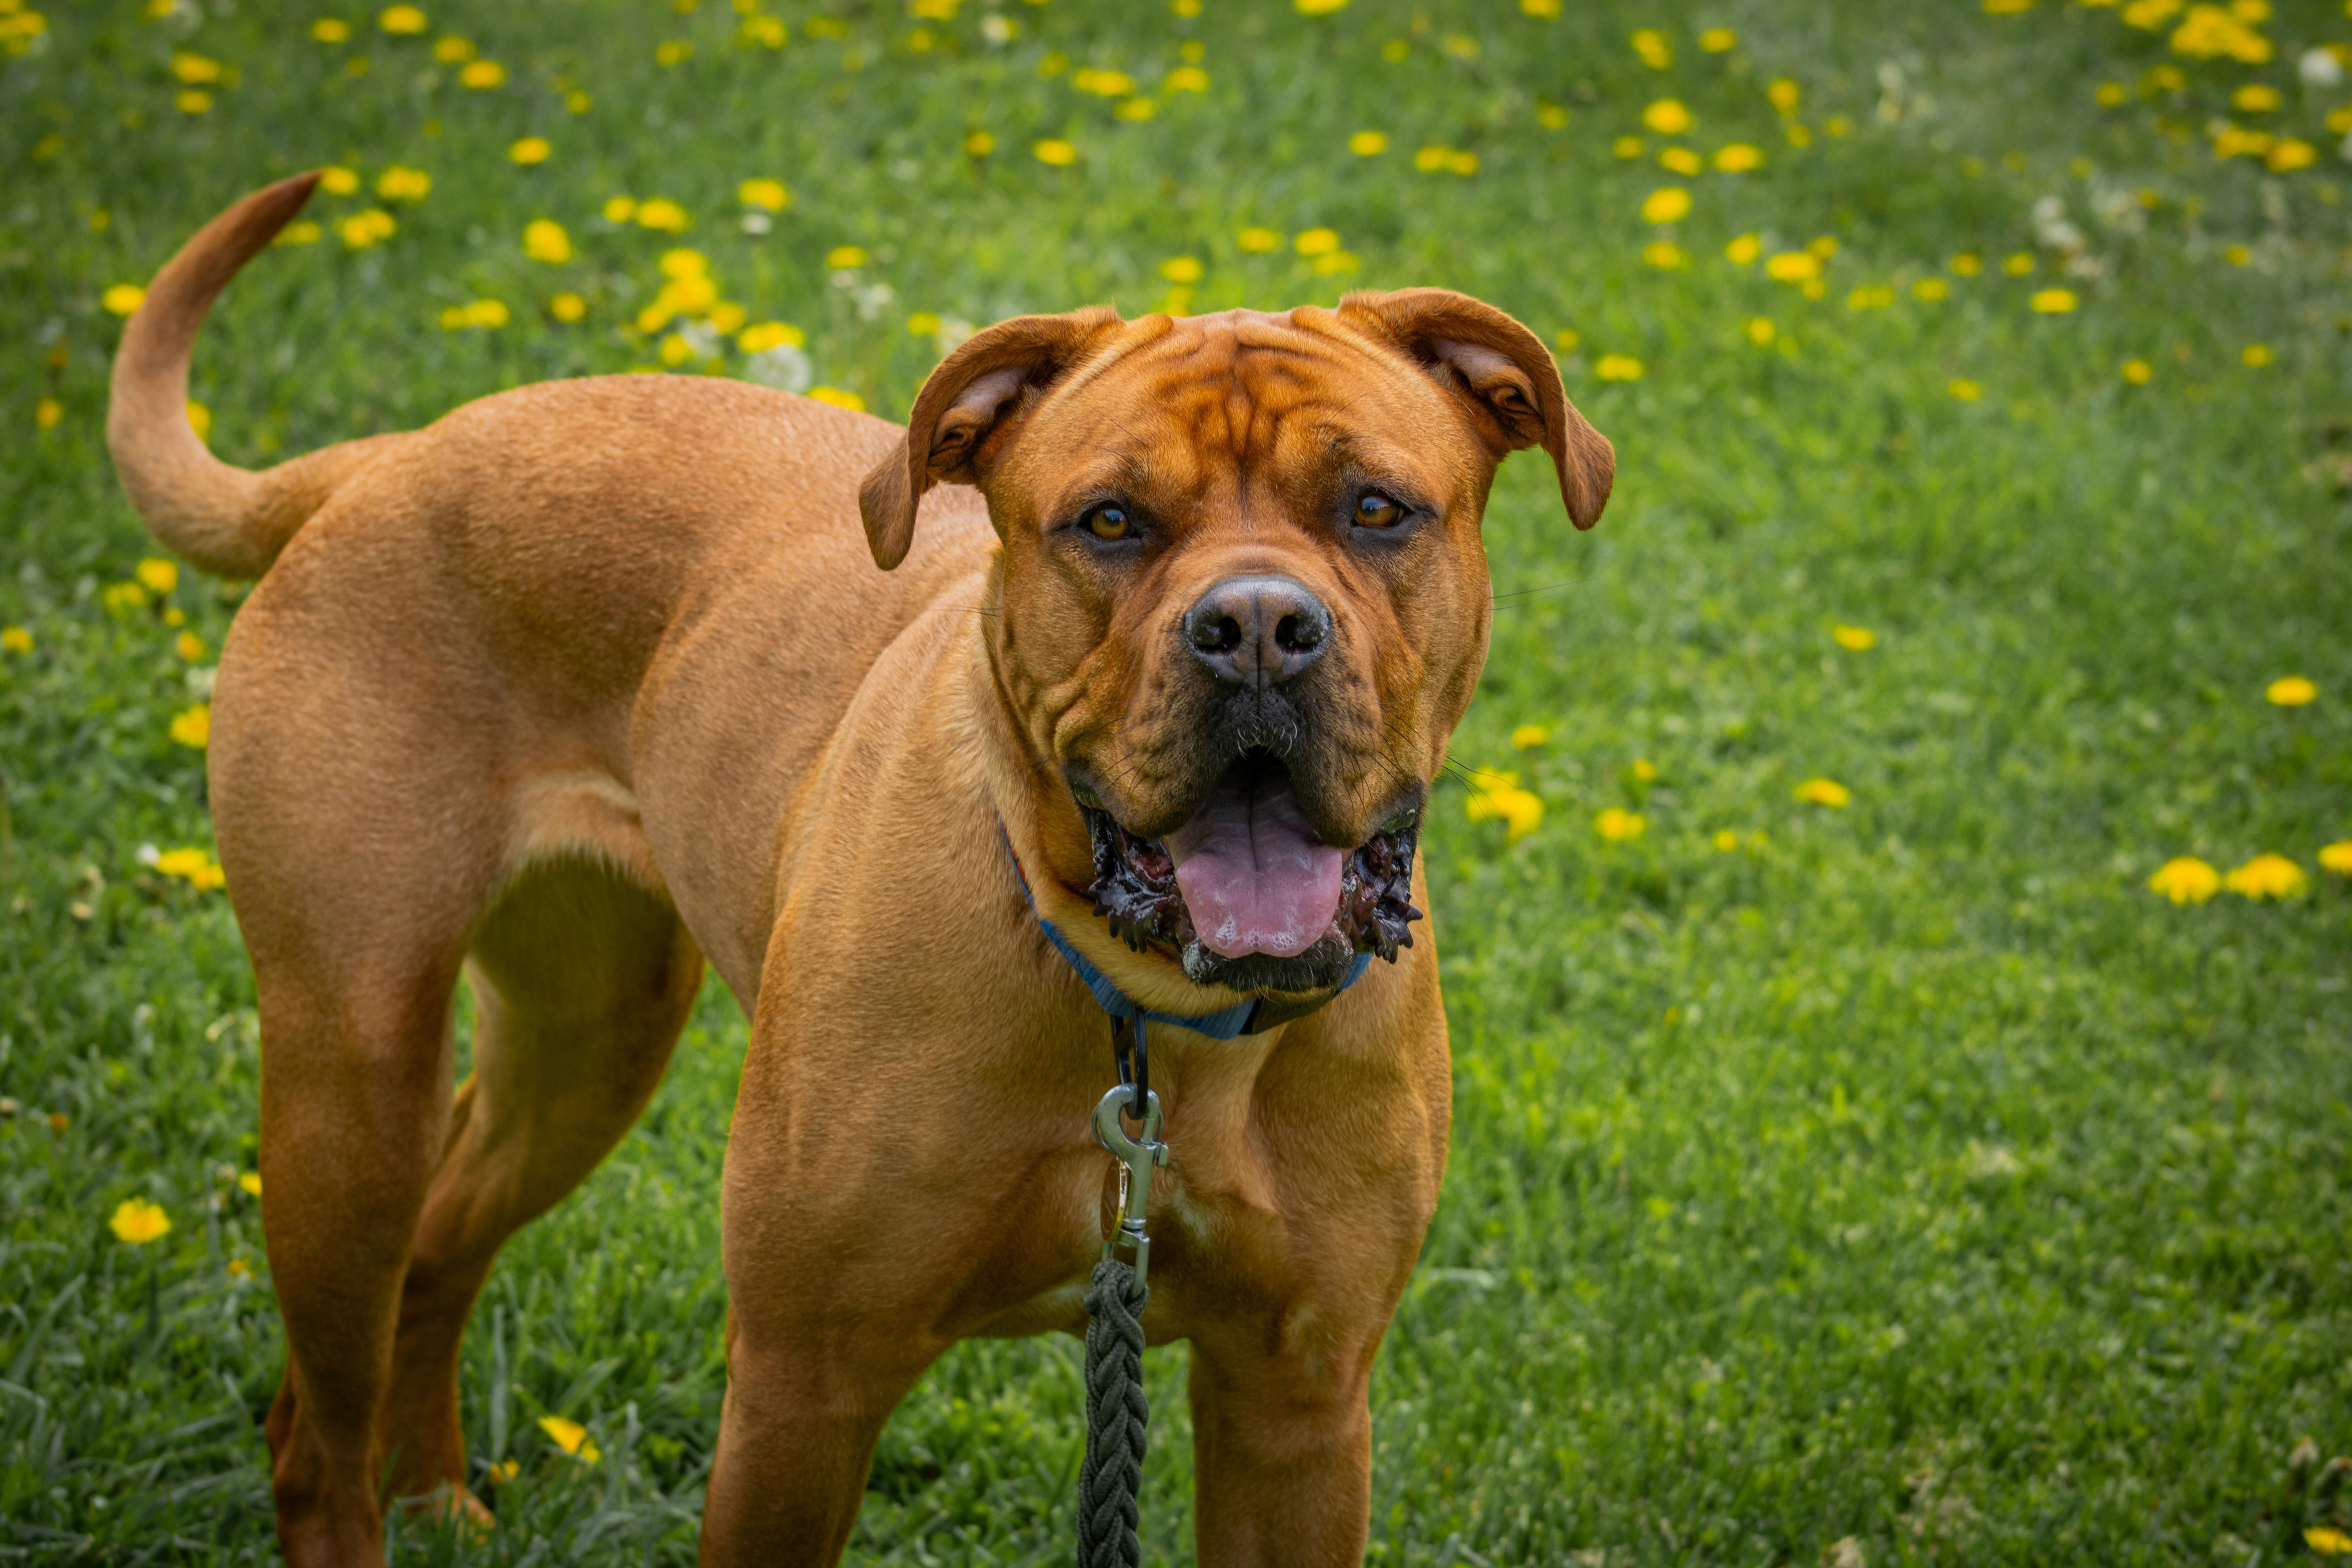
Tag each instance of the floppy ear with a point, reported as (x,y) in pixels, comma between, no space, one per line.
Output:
(974,394)
(1504,375)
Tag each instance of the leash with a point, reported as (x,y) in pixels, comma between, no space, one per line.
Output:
(1117,1413)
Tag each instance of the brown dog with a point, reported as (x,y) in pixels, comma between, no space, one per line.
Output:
(593,678)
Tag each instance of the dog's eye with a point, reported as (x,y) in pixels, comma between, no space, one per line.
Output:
(1377,511)
(1108,521)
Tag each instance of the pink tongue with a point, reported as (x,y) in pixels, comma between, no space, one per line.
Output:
(1253,876)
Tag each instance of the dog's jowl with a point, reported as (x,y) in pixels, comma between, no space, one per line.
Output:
(1143,636)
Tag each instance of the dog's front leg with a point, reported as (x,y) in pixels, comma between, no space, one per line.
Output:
(796,1436)
(1282,1446)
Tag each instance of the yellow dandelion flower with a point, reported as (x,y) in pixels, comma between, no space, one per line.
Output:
(338,180)
(330,30)
(1967,264)
(1618,824)
(16,639)
(2256,354)
(767,335)
(1527,736)
(1181,269)
(1625,146)
(1666,255)
(768,194)
(2017,264)
(192,727)
(1719,40)
(923,324)
(47,413)
(1544,8)
(1667,203)
(200,419)
(726,317)
(2290,152)
(842,257)
(1316,242)
(979,143)
(1651,46)
(1258,240)
(2291,691)
(249,1184)
(158,576)
(1825,792)
(238,1268)
(139,1222)
(660,214)
(2336,857)
(1743,249)
(531,150)
(1964,389)
(1431,159)
(571,1436)
(1931,289)
(400,183)
(543,240)
(1793,267)
(1368,144)
(504,1471)
(675,350)
(301,232)
(482,75)
(1738,157)
(193,866)
(1645,769)
(1725,840)
(192,101)
(1618,367)
(401,19)
(1055,152)
(2110,94)
(1498,797)
(1137,109)
(2053,302)
(672,51)
(567,307)
(194,69)
(1760,331)
(838,398)
(2139,372)
(577,102)
(1566,340)
(1667,116)
(121,596)
(1186,79)
(362,230)
(2256,98)
(122,299)
(2326,1540)
(2266,877)
(1784,95)
(1854,639)
(451,49)
(188,646)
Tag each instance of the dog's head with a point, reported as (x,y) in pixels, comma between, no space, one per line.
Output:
(1243,600)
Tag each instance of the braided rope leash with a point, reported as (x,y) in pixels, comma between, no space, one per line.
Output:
(1117,1411)
(1116,1414)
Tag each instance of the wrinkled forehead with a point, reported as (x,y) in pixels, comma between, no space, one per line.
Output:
(1199,403)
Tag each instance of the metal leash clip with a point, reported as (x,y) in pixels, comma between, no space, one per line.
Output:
(1136,1157)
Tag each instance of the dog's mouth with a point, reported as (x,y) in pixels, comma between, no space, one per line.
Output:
(1245,893)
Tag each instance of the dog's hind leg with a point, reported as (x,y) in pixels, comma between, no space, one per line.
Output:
(582,984)
(354,1096)
(581,980)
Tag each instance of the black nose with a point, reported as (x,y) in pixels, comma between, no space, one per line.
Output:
(1257,631)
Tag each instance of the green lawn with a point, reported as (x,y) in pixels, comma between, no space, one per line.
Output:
(1885,1182)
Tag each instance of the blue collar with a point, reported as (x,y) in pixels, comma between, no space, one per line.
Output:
(1241,1018)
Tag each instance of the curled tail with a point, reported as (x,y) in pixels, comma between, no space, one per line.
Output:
(223,520)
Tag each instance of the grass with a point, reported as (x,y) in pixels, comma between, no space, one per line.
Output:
(1905,1183)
